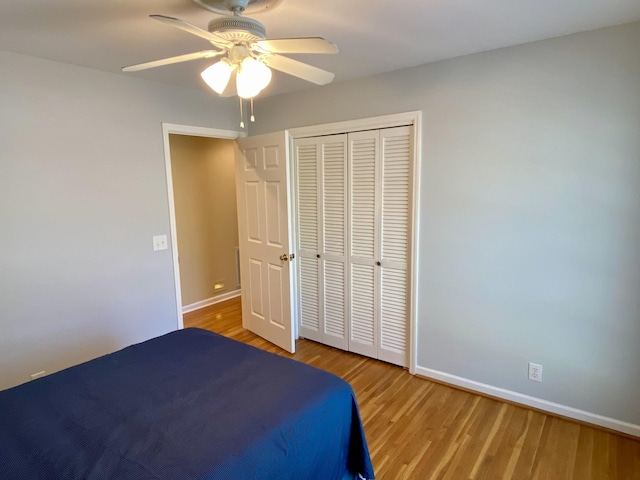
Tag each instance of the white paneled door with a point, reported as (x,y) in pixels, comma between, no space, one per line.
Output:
(264,236)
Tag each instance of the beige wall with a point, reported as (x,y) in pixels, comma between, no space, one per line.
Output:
(204,191)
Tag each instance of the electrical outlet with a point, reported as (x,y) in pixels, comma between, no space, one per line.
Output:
(38,375)
(535,372)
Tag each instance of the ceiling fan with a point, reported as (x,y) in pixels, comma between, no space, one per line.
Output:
(244,50)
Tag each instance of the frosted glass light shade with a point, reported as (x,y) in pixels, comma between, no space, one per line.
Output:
(252,77)
(217,75)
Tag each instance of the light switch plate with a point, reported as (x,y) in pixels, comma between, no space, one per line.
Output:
(160,242)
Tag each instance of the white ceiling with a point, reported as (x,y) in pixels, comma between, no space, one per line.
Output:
(373,36)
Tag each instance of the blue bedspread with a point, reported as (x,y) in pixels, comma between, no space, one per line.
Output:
(188,405)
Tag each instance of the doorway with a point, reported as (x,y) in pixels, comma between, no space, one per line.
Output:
(202,215)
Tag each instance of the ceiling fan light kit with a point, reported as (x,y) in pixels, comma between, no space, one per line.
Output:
(217,75)
(251,78)
(247,57)
(252,75)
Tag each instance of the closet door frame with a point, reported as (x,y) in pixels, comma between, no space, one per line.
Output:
(412,119)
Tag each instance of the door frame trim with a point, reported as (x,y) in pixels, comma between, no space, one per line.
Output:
(190,130)
(413,119)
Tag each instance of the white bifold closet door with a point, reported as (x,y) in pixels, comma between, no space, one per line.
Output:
(322,242)
(379,228)
(353,208)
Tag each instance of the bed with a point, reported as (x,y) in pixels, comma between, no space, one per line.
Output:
(189,405)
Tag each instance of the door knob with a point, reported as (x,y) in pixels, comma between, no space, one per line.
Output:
(284,257)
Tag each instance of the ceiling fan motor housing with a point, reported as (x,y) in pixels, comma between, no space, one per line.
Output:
(238,29)
(236,7)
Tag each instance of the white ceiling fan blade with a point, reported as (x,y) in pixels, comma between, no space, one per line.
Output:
(192,29)
(298,69)
(297,45)
(170,60)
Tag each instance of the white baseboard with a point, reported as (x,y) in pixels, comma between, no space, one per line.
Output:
(211,301)
(538,403)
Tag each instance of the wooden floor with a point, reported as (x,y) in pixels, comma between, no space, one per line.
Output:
(417,429)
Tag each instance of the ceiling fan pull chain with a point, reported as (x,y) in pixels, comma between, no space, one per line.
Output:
(253,119)
(241,120)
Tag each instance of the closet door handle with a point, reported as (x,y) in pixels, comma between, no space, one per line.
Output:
(378,263)
(318,255)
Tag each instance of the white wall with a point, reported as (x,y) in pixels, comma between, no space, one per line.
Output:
(530,211)
(82,192)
